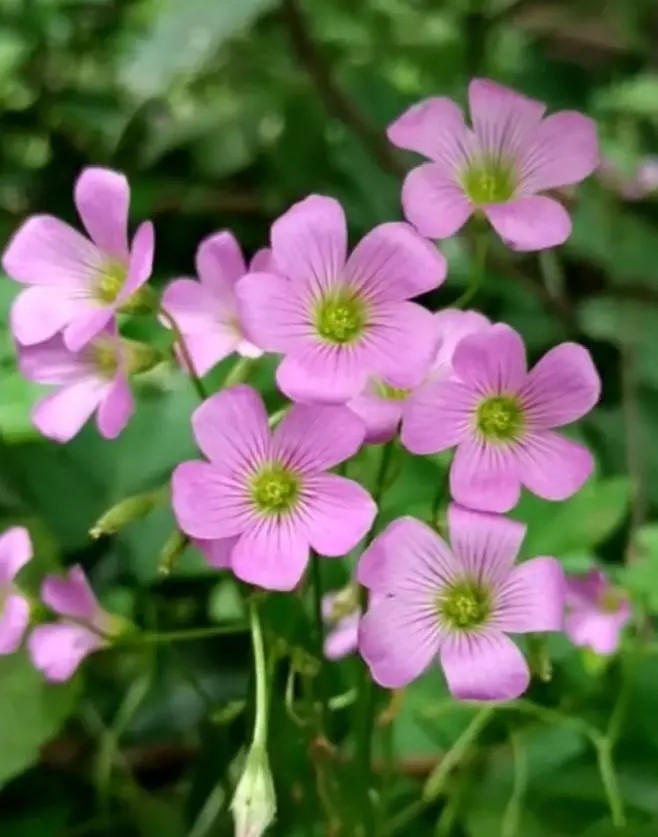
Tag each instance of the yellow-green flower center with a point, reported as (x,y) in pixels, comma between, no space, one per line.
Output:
(500,418)
(464,605)
(103,354)
(340,317)
(275,490)
(110,280)
(390,393)
(489,181)
(611,600)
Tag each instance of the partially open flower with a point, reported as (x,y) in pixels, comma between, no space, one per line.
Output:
(254,803)
(341,613)
(596,612)
(15,552)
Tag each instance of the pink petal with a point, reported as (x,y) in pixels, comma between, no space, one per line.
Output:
(272,554)
(438,416)
(309,242)
(343,639)
(313,438)
(207,350)
(61,415)
(433,202)
(486,545)
(140,266)
(218,552)
(57,650)
(209,505)
(85,327)
(592,629)
(46,251)
(452,326)
(435,128)
(565,151)
(219,261)
(102,197)
(484,666)
(398,642)
(337,514)
(551,466)
(562,387)
(231,428)
(71,595)
(505,122)
(192,305)
(323,374)
(532,598)
(530,223)
(485,476)
(381,416)
(115,409)
(247,349)
(492,362)
(262,261)
(586,591)
(15,552)
(13,622)
(409,560)
(51,362)
(272,314)
(39,312)
(392,262)
(401,343)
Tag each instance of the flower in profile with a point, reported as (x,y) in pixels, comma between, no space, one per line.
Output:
(268,492)
(456,604)
(596,612)
(15,552)
(341,614)
(338,320)
(57,649)
(205,311)
(382,406)
(93,379)
(76,284)
(498,167)
(254,803)
(501,419)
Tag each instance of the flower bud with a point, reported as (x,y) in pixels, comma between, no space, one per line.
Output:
(140,357)
(127,511)
(254,803)
(171,551)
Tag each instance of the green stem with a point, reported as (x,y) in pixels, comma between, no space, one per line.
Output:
(260,671)
(316,584)
(185,354)
(512,815)
(406,815)
(184,635)
(610,785)
(477,271)
(239,372)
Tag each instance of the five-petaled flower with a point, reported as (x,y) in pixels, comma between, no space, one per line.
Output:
(268,492)
(500,417)
(338,320)
(596,612)
(15,552)
(76,283)
(455,604)
(498,167)
(205,311)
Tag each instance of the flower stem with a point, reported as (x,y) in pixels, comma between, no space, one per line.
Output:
(260,671)
(610,785)
(185,354)
(316,584)
(239,372)
(477,271)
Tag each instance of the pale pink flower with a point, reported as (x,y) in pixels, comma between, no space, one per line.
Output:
(341,614)
(338,319)
(596,612)
(77,283)
(498,167)
(15,552)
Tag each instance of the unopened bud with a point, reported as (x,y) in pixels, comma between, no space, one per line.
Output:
(171,551)
(143,301)
(254,803)
(140,357)
(127,511)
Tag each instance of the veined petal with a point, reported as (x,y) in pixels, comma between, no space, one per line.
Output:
(438,416)
(323,374)
(140,265)
(530,223)
(15,552)
(381,416)
(485,476)
(218,552)
(102,198)
(192,305)
(452,326)
(434,203)
(39,312)
(532,598)
(86,326)
(552,466)
(51,362)
(14,620)
(219,261)
(401,342)
(273,313)
(115,409)
(435,128)
(57,650)
(71,595)
(337,513)
(492,362)
(209,505)
(272,553)
(564,151)
(61,415)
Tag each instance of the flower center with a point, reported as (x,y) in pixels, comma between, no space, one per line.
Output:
(340,317)
(500,418)
(464,605)
(610,600)
(111,279)
(275,489)
(489,181)
(103,355)
(389,393)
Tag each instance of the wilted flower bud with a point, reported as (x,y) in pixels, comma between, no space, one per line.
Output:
(254,803)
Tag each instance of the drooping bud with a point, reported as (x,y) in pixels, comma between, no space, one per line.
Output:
(171,551)
(128,511)
(254,802)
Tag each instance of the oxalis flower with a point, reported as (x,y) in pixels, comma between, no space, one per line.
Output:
(336,319)
(455,604)
(596,612)
(94,379)
(78,283)
(382,406)
(500,417)
(57,649)
(497,168)
(268,492)
(206,310)
(15,552)
(341,614)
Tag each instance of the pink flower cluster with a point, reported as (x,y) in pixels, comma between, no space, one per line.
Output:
(363,362)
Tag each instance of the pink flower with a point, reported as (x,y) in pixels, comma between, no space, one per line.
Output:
(57,649)
(336,319)
(268,492)
(596,612)
(500,418)
(91,380)
(455,604)
(77,283)
(498,167)
(15,552)
(341,614)
(206,310)
(382,406)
